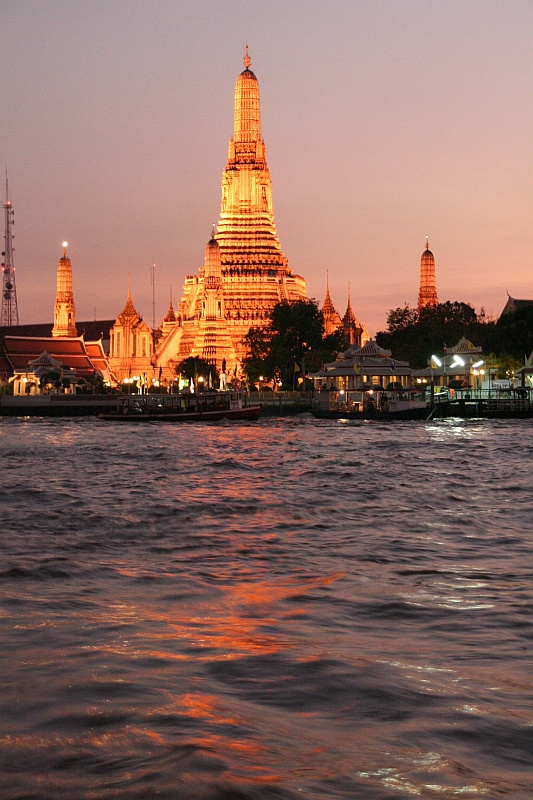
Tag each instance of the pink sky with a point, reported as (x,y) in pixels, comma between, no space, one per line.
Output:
(384,122)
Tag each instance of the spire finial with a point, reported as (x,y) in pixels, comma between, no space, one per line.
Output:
(427,242)
(129,287)
(65,245)
(213,231)
(246,60)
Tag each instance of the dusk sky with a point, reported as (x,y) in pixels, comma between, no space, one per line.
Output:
(383,121)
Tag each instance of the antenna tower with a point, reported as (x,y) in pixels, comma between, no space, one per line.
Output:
(152,280)
(10,314)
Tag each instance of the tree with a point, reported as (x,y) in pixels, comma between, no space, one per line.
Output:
(400,318)
(295,334)
(195,367)
(413,336)
(258,361)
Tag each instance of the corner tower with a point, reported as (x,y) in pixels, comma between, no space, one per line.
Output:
(427,295)
(64,309)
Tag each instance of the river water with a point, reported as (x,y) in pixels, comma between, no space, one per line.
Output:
(284,609)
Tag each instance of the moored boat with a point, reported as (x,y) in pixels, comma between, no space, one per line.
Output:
(375,403)
(56,405)
(182,407)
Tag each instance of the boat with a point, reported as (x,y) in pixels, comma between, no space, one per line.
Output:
(56,405)
(375,403)
(182,407)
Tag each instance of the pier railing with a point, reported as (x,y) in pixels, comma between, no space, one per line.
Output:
(518,393)
(508,402)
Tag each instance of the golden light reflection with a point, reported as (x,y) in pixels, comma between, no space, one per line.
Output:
(234,622)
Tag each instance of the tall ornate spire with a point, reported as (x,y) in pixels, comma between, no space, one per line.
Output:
(129,312)
(171,314)
(247,112)
(427,295)
(254,268)
(246,229)
(354,332)
(245,272)
(332,321)
(212,271)
(328,307)
(64,309)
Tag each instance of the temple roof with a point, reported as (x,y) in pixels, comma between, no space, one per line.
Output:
(171,314)
(328,307)
(349,316)
(464,345)
(514,304)
(90,329)
(129,313)
(371,348)
(72,352)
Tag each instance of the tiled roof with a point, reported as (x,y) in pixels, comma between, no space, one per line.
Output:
(71,352)
(369,349)
(92,329)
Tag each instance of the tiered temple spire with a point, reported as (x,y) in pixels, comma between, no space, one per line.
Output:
(332,320)
(353,330)
(250,265)
(64,309)
(427,296)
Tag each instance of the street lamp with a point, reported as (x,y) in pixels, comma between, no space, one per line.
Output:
(477,371)
(438,363)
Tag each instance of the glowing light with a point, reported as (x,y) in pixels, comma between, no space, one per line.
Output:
(65,244)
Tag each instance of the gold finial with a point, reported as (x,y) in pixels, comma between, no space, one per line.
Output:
(213,231)
(246,60)
(65,245)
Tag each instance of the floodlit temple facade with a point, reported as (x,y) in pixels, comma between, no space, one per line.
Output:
(245,272)
(130,344)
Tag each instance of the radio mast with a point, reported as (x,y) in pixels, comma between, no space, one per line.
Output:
(10,314)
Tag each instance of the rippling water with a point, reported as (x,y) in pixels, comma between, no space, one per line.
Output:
(283,609)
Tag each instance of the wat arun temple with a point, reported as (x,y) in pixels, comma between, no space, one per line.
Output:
(245,272)
(244,275)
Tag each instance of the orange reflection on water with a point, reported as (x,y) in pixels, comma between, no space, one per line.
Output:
(205,706)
